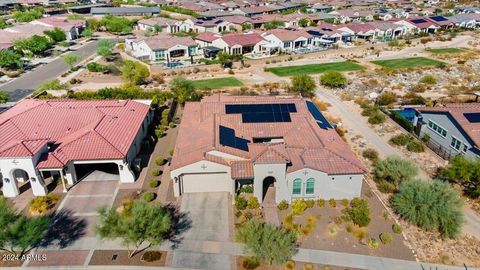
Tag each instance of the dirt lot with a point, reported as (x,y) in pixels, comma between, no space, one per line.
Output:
(104,257)
(298,265)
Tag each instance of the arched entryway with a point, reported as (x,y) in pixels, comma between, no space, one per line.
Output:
(21,178)
(269,190)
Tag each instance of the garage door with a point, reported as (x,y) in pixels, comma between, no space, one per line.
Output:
(97,172)
(211,182)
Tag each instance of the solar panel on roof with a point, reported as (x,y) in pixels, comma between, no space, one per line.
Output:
(472,117)
(228,138)
(321,120)
(419,21)
(262,113)
(438,18)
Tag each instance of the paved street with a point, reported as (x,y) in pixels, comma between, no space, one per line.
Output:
(209,215)
(27,83)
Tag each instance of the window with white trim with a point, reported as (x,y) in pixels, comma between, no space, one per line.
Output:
(297,186)
(456,143)
(310,186)
(438,129)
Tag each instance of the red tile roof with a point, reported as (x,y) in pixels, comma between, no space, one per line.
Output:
(249,39)
(305,144)
(80,130)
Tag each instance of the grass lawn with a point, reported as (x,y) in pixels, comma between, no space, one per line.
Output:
(407,62)
(445,50)
(217,83)
(315,68)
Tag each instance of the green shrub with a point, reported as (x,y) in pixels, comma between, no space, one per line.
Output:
(299,206)
(401,139)
(386,187)
(359,212)
(370,154)
(321,202)
(41,204)
(253,203)
(386,98)
(394,170)
(246,189)
(415,146)
(170,151)
(95,67)
(156,172)
(250,263)
(386,238)
(396,228)
(159,133)
(373,243)
(430,205)
(153,183)
(310,203)
(148,197)
(428,79)
(333,79)
(426,138)
(283,205)
(463,171)
(402,121)
(171,125)
(290,265)
(151,256)
(377,118)
(240,203)
(345,202)
(332,203)
(160,161)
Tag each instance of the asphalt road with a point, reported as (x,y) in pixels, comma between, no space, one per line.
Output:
(21,87)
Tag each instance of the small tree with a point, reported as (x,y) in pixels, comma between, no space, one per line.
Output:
(333,79)
(303,22)
(105,47)
(56,35)
(465,172)
(134,72)
(71,59)
(359,212)
(10,59)
(141,223)
(431,206)
(267,242)
(303,85)
(183,89)
(3,97)
(394,170)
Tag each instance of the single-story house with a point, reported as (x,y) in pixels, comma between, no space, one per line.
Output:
(359,30)
(288,40)
(349,15)
(453,129)
(241,43)
(466,20)
(125,11)
(166,24)
(280,145)
(70,138)
(442,22)
(208,25)
(72,28)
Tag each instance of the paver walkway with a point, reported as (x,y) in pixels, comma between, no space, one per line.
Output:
(270,208)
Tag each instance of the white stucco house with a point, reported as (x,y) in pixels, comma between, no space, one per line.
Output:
(165,24)
(241,43)
(289,40)
(276,144)
(69,139)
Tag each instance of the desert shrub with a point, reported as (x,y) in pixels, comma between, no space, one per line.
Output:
(310,203)
(418,88)
(332,202)
(250,263)
(386,238)
(95,67)
(359,233)
(377,118)
(463,171)
(160,161)
(299,206)
(386,187)
(321,202)
(386,98)
(394,170)
(396,228)
(240,203)
(415,146)
(283,205)
(359,212)
(370,154)
(333,79)
(373,243)
(148,197)
(151,256)
(246,189)
(426,138)
(431,206)
(401,139)
(253,203)
(41,204)
(308,266)
(153,183)
(345,202)
(156,172)
(157,77)
(290,265)
(428,79)
(402,121)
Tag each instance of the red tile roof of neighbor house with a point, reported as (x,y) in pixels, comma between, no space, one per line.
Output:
(248,39)
(164,41)
(207,36)
(288,35)
(79,130)
(458,111)
(305,144)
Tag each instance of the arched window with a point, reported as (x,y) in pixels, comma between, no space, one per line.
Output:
(310,186)
(297,186)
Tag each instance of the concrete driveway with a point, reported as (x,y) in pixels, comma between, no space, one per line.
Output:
(209,215)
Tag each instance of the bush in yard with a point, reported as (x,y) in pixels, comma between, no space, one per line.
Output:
(386,238)
(299,206)
(345,202)
(95,67)
(153,183)
(148,197)
(170,151)
(253,203)
(250,263)
(373,243)
(134,72)
(386,187)
(370,154)
(359,212)
(333,79)
(426,138)
(428,79)
(401,139)
(156,172)
(159,133)
(310,203)
(463,171)
(386,98)
(283,205)
(290,265)
(396,228)
(394,170)
(321,202)
(303,85)
(308,266)
(240,203)
(377,118)
(160,161)
(246,189)
(151,256)
(332,202)
(41,204)
(415,146)
(430,205)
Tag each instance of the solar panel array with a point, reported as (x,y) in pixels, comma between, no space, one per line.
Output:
(472,117)
(419,21)
(228,138)
(322,122)
(262,113)
(438,18)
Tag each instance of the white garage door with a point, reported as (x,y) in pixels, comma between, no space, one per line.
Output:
(209,182)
